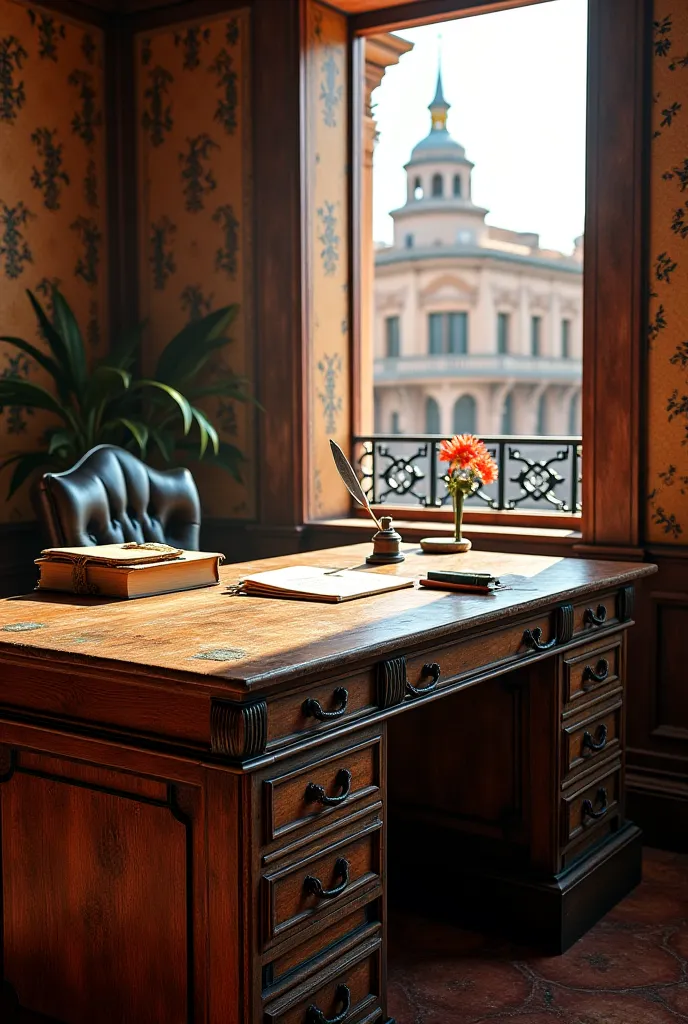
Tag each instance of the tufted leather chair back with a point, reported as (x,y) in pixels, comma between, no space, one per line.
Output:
(110,496)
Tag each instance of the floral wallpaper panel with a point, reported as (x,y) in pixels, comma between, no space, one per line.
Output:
(328,184)
(52,197)
(195,211)
(667,335)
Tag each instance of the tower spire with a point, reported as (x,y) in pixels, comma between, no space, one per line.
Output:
(439,107)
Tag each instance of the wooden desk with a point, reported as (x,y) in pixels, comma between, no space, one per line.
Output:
(199,793)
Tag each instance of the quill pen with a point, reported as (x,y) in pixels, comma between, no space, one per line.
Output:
(351,482)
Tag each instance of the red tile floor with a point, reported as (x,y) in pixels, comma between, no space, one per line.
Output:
(631,968)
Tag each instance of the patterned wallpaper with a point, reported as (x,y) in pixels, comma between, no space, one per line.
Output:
(668,323)
(194,210)
(328,183)
(52,195)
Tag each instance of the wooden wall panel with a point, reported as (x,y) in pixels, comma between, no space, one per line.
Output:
(327,218)
(53,197)
(195,211)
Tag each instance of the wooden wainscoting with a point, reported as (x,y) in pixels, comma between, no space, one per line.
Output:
(657,775)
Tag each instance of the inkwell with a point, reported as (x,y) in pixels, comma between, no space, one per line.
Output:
(386,541)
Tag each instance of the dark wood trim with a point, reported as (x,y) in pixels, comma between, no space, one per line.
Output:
(280,274)
(485,517)
(356,114)
(157,14)
(619,94)
(405,15)
(81,10)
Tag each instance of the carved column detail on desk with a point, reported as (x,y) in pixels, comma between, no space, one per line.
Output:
(391,682)
(238,730)
(625,601)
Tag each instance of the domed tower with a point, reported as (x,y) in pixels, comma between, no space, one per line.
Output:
(439,210)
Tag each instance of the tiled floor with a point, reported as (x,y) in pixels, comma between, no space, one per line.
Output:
(631,968)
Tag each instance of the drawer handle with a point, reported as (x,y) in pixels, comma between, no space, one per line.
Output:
(600,743)
(314,886)
(312,708)
(597,618)
(588,810)
(317,794)
(598,674)
(433,670)
(533,638)
(314,1014)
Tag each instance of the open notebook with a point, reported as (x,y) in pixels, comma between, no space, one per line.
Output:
(310,583)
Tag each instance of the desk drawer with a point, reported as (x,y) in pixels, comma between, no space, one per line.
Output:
(322,882)
(321,706)
(592,671)
(349,990)
(321,788)
(591,739)
(596,613)
(593,809)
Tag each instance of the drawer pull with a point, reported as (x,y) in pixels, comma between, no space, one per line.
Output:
(433,670)
(597,618)
(533,638)
(312,708)
(598,674)
(588,809)
(314,887)
(317,794)
(314,1014)
(600,743)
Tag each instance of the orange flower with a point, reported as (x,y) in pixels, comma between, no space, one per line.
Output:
(485,467)
(462,450)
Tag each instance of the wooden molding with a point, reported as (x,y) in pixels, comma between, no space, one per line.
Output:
(238,731)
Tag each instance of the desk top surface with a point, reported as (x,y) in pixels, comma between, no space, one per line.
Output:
(250,643)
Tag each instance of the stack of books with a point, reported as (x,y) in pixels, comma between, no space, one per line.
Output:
(126,570)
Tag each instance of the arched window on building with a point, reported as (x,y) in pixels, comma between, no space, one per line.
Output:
(574,415)
(432,416)
(457,184)
(508,415)
(417,189)
(541,426)
(465,415)
(437,185)
(395,427)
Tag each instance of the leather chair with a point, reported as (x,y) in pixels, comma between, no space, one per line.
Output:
(110,496)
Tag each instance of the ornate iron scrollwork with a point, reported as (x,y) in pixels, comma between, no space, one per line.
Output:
(312,708)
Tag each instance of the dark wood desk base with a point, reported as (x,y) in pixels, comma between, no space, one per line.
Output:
(206,801)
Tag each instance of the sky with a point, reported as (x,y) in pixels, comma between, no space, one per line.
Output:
(516,81)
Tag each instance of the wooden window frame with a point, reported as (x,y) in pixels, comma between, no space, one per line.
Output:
(615,270)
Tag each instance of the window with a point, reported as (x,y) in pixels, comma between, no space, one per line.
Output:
(392,337)
(457,184)
(508,415)
(574,415)
(448,333)
(394,426)
(541,426)
(417,189)
(465,415)
(566,339)
(535,335)
(502,333)
(437,185)
(432,417)
(408,242)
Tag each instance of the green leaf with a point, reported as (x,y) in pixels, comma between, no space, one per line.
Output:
(26,463)
(68,328)
(125,350)
(207,432)
(57,347)
(105,383)
(176,396)
(139,431)
(61,440)
(31,396)
(40,357)
(189,350)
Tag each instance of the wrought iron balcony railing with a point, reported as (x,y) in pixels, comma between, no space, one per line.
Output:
(534,472)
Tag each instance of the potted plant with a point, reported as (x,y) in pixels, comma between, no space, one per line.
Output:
(111,403)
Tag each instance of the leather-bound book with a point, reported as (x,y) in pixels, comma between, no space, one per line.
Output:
(126,570)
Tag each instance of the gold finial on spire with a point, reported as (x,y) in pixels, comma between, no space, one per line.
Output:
(439,107)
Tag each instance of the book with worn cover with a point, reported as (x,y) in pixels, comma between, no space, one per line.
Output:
(311,583)
(126,570)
